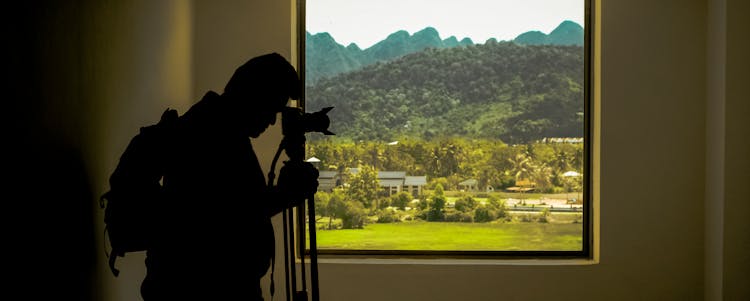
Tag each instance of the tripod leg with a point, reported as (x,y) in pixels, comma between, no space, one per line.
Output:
(290,255)
(301,244)
(286,257)
(313,249)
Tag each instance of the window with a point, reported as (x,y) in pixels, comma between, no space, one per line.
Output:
(462,127)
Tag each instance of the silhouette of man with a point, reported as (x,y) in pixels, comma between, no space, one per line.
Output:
(216,240)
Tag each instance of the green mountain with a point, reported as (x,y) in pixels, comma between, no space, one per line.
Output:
(499,90)
(327,58)
(567,33)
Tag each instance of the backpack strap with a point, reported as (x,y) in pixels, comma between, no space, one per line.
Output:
(111,255)
(111,262)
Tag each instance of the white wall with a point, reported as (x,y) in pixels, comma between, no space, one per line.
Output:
(104,58)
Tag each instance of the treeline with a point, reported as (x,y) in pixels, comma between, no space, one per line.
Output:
(449,161)
(498,90)
(343,204)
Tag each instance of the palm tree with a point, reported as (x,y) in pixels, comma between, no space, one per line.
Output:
(521,166)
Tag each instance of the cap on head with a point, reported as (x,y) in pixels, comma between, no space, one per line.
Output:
(269,78)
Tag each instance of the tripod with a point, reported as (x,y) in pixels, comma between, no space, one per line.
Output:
(294,124)
(294,146)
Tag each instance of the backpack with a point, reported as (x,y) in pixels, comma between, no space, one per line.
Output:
(132,204)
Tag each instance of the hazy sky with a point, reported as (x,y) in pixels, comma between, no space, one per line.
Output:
(366,22)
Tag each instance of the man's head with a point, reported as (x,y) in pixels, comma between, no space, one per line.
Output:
(259,89)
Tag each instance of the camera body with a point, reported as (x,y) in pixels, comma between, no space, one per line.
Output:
(295,124)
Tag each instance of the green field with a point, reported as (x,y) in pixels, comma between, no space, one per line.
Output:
(418,235)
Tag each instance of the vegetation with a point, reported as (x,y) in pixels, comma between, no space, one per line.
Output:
(505,91)
(449,161)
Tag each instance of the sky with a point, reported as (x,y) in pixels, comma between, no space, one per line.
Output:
(366,22)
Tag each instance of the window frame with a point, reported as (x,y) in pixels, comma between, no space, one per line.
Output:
(589,145)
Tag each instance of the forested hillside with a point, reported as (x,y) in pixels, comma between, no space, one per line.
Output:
(498,90)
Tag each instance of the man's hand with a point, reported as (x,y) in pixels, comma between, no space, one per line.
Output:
(298,180)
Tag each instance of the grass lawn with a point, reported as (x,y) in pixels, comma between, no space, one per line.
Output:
(419,235)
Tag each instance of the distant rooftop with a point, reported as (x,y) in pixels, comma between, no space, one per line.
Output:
(415,180)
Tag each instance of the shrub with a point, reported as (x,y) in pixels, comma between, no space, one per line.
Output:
(497,206)
(482,214)
(383,202)
(435,215)
(387,216)
(526,218)
(458,216)
(422,204)
(544,216)
(465,204)
(354,216)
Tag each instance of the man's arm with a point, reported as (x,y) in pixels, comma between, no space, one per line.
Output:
(297,182)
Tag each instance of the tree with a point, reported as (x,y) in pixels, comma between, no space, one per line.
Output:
(444,158)
(541,175)
(336,207)
(364,186)
(521,166)
(562,160)
(321,203)
(401,200)
(435,182)
(437,204)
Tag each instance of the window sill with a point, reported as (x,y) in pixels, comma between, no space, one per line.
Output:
(456,261)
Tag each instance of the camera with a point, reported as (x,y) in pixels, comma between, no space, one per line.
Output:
(295,122)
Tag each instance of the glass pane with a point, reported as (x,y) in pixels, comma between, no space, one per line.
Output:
(459,124)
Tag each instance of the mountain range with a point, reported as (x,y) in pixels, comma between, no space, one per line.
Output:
(326,57)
